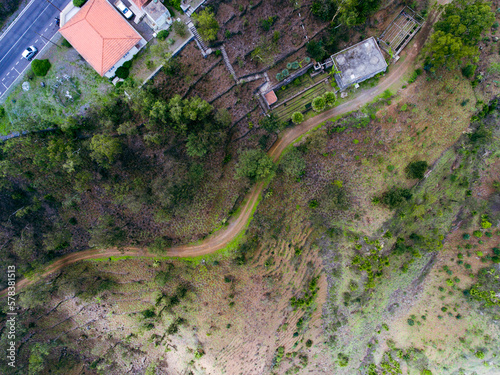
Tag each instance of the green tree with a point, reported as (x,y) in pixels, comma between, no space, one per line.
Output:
(396,197)
(79,3)
(272,123)
(180,28)
(104,149)
(207,25)
(38,355)
(318,104)
(416,169)
(197,145)
(254,164)
(40,67)
(330,98)
(297,117)
(458,32)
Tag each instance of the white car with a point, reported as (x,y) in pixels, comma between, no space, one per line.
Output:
(124,10)
(30,52)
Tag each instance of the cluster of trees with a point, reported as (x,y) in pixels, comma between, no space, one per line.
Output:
(346,12)
(206,24)
(458,33)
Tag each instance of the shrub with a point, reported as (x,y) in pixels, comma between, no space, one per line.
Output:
(479,354)
(411,322)
(329,98)
(162,35)
(343,360)
(267,23)
(207,25)
(318,104)
(122,72)
(469,70)
(40,67)
(416,169)
(466,236)
(309,343)
(254,164)
(396,197)
(66,44)
(285,73)
(297,117)
(180,28)
(426,372)
(477,233)
(2,112)
(79,3)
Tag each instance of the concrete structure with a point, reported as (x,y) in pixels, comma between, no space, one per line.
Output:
(102,36)
(400,31)
(158,14)
(357,63)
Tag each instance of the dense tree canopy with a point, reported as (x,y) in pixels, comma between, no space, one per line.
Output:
(207,25)
(345,12)
(254,164)
(458,32)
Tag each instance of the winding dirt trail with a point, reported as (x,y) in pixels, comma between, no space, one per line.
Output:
(224,236)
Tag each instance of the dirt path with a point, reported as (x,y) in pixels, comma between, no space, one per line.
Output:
(224,236)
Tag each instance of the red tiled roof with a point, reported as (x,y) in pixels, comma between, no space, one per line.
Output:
(100,34)
(271,97)
(140,3)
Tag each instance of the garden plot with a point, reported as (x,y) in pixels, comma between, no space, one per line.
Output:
(298,97)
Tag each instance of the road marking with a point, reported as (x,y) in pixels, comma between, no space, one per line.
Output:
(51,23)
(36,40)
(17,71)
(3,79)
(4,85)
(45,30)
(17,62)
(17,19)
(7,53)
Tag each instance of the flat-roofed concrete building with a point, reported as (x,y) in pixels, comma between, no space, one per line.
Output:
(357,63)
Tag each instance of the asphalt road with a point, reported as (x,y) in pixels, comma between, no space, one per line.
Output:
(33,27)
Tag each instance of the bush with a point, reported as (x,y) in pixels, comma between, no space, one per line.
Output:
(469,70)
(466,236)
(254,164)
(343,360)
(66,44)
(479,354)
(79,3)
(316,50)
(478,233)
(297,117)
(416,169)
(162,35)
(411,322)
(207,25)
(40,67)
(309,343)
(267,23)
(122,72)
(318,104)
(180,28)
(2,112)
(396,197)
(329,98)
